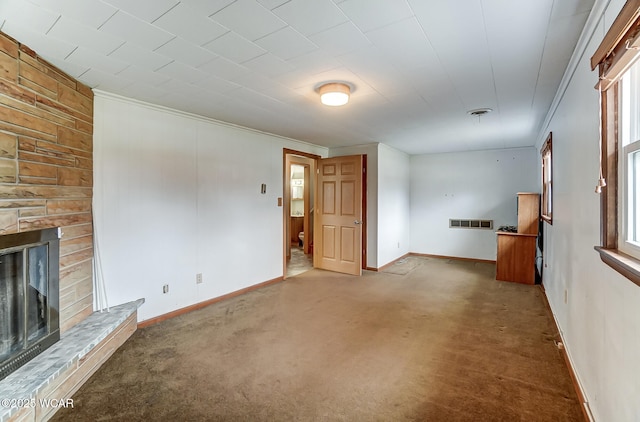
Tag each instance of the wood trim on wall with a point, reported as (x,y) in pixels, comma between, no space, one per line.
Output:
(620,27)
(385,266)
(586,411)
(609,145)
(457,258)
(546,199)
(365,223)
(288,155)
(200,305)
(300,153)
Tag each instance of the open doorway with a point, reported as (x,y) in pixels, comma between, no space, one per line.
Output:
(300,173)
(298,212)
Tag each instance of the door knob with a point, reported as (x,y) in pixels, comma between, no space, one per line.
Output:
(357,222)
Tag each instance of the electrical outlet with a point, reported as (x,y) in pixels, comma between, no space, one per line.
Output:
(566,296)
(398,245)
(198,278)
(165,288)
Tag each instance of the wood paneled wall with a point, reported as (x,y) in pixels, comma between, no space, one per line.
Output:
(46,165)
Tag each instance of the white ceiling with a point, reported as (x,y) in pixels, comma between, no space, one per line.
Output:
(417,66)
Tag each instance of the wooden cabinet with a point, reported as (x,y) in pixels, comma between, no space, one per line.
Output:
(528,213)
(517,251)
(297,226)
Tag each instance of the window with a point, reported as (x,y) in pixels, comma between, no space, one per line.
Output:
(619,86)
(629,162)
(547,196)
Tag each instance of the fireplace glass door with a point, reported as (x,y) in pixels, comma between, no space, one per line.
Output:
(29,296)
(23,305)
(12,315)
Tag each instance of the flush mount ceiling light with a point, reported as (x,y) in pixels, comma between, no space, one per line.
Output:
(334,93)
(479,112)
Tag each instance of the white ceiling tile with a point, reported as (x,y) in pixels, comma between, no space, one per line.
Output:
(256,82)
(85,57)
(70,69)
(294,79)
(416,49)
(105,81)
(470,72)
(567,8)
(145,92)
(311,17)
(516,74)
(215,100)
(315,62)
(47,47)
(340,39)
(234,47)
(561,38)
(256,98)
(183,72)
(185,52)
(433,84)
(26,14)
(91,13)
(372,14)
(224,69)
(268,65)
(187,23)
(249,19)
(284,95)
(150,77)
(147,10)
(216,84)
(208,7)
(414,76)
(272,4)
(179,88)
(287,43)
(375,68)
(141,57)
(136,31)
(72,32)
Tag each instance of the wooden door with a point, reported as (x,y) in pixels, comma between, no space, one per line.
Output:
(338,222)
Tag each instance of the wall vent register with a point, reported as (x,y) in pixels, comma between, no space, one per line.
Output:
(470,224)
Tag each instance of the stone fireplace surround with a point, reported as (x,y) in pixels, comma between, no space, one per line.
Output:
(46,180)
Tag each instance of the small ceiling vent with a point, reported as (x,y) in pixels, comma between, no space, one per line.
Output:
(479,112)
(455,223)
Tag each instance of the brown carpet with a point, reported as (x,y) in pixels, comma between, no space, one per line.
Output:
(445,342)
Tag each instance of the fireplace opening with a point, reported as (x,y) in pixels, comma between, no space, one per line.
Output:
(29,296)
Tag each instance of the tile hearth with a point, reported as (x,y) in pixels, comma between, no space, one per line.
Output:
(88,342)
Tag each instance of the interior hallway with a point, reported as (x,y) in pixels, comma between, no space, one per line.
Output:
(428,339)
(299,262)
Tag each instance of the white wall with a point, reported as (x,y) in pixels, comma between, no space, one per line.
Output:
(176,195)
(467,185)
(600,322)
(393,204)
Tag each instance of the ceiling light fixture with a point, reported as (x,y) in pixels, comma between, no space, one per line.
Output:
(334,93)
